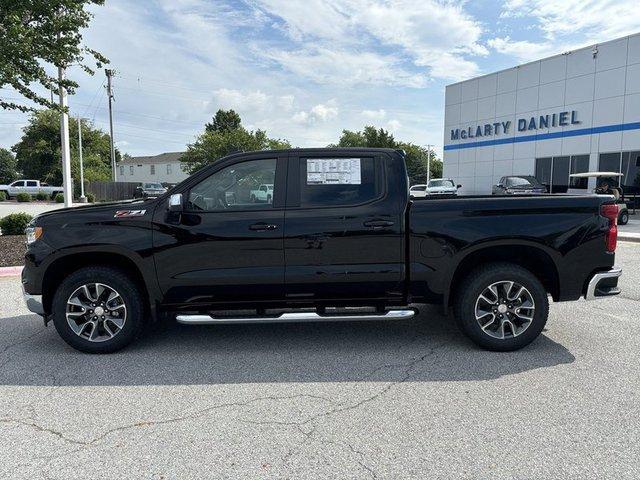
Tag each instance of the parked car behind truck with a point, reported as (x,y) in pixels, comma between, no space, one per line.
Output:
(340,240)
(32,187)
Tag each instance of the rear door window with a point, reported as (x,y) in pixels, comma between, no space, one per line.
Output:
(339,181)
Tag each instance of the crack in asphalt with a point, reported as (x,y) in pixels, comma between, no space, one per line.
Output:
(146,423)
(408,370)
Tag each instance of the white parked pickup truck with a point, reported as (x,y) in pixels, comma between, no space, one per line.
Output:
(264,193)
(32,187)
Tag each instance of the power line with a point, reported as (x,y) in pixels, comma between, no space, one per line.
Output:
(101,87)
(124,134)
(128,125)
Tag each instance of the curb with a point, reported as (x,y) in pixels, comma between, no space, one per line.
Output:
(11,271)
(629,237)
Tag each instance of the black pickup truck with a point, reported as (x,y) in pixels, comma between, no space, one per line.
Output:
(339,239)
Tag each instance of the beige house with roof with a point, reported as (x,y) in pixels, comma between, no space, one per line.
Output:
(163,168)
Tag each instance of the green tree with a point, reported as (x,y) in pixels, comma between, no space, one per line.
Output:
(8,169)
(224,121)
(38,151)
(415,158)
(36,35)
(221,140)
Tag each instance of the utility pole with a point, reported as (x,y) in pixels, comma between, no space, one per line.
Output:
(64,137)
(83,199)
(429,163)
(109,74)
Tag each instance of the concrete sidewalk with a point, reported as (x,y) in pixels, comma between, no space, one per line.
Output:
(631,231)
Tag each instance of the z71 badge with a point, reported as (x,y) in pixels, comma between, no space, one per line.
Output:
(129,213)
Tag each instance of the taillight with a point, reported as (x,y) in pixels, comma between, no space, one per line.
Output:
(611,213)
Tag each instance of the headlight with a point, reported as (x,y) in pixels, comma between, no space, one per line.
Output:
(33,233)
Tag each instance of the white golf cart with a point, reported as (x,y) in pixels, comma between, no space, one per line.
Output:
(606,184)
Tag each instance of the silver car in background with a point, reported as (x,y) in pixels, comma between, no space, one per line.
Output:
(441,186)
(149,190)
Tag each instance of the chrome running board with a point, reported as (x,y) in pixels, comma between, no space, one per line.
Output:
(295,317)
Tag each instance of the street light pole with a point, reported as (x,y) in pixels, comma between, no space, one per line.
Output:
(429,163)
(83,199)
(64,140)
(109,74)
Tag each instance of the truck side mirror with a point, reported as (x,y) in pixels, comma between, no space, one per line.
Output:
(175,202)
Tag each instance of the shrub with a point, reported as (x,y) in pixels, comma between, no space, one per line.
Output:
(41,196)
(15,223)
(59,198)
(91,198)
(3,196)
(23,197)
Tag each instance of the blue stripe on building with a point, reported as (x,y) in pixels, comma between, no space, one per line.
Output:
(620,127)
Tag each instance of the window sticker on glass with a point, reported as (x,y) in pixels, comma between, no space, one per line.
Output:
(333,171)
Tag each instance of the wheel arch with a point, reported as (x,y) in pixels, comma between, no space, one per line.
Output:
(63,266)
(530,257)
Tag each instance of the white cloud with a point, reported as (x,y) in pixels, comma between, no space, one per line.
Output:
(601,19)
(374,114)
(344,67)
(318,113)
(567,25)
(240,101)
(438,35)
(394,125)
(523,50)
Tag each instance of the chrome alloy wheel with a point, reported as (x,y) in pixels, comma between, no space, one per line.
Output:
(96,312)
(504,309)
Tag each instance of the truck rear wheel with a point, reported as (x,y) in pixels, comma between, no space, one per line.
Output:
(98,310)
(501,307)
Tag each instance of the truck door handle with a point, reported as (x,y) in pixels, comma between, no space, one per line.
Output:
(262,226)
(378,224)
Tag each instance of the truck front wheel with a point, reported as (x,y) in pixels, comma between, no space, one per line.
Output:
(98,310)
(501,306)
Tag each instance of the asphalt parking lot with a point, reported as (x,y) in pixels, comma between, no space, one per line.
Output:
(409,399)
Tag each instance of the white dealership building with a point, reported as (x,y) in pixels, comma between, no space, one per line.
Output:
(574,112)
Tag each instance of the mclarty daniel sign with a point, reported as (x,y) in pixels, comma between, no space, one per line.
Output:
(553,120)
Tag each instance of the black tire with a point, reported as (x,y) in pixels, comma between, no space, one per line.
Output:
(476,283)
(623,218)
(131,297)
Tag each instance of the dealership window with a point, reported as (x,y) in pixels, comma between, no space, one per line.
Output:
(631,172)
(579,164)
(560,175)
(121,171)
(339,181)
(130,169)
(554,172)
(168,169)
(543,170)
(610,162)
(152,169)
(241,186)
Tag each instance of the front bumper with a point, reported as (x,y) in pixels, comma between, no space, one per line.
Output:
(603,284)
(34,302)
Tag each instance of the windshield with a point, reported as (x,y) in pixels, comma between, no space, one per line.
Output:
(155,186)
(522,182)
(441,183)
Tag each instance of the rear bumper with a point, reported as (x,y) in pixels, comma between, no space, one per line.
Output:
(603,284)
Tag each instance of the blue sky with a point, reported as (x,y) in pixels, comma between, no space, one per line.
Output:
(304,70)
